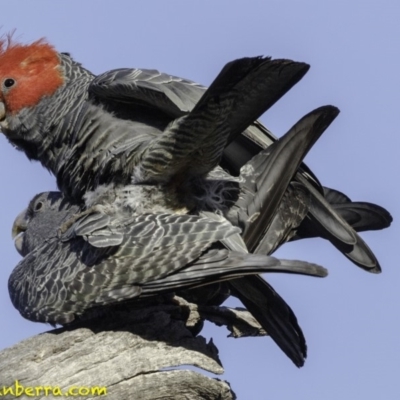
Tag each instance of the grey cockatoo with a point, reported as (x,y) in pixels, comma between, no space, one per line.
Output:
(110,256)
(152,127)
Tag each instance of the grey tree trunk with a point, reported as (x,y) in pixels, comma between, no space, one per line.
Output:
(129,354)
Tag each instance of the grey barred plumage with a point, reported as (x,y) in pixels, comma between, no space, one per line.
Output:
(148,254)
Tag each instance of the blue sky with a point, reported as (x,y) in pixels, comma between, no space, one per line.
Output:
(351,318)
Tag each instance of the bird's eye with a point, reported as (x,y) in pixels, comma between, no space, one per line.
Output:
(9,82)
(38,206)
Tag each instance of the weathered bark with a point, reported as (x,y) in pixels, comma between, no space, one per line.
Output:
(127,352)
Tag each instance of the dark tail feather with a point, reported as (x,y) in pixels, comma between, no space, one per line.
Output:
(361,216)
(325,222)
(325,219)
(270,310)
(278,164)
(274,315)
(219,265)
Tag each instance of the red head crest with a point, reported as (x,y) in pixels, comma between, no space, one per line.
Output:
(33,68)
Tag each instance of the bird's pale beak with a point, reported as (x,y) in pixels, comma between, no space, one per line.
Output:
(20,224)
(2,111)
(19,227)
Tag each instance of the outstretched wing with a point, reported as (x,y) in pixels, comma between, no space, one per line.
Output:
(362,216)
(194,143)
(176,96)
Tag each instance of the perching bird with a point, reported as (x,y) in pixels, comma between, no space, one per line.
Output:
(111,256)
(91,130)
